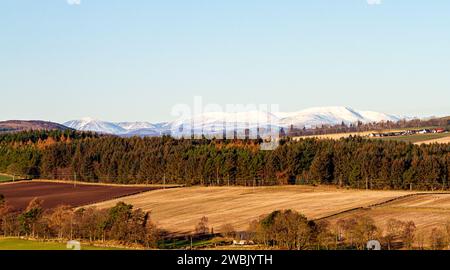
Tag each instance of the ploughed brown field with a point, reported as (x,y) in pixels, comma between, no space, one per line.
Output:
(179,210)
(19,194)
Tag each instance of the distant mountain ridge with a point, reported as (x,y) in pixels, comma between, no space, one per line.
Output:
(211,123)
(91,124)
(22,125)
(334,116)
(120,128)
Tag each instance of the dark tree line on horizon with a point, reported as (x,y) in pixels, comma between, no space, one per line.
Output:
(353,162)
(294,131)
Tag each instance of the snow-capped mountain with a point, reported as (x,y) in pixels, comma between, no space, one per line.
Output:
(212,123)
(219,119)
(333,116)
(90,124)
(121,128)
(135,125)
(145,129)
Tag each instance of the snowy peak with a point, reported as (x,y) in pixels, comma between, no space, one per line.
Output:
(121,128)
(135,125)
(370,116)
(216,122)
(90,124)
(250,118)
(333,116)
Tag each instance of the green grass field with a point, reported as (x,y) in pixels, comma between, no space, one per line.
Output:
(21,244)
(186,243)
(5,178)
(416,138)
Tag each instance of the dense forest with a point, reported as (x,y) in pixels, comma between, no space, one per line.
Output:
(353,162)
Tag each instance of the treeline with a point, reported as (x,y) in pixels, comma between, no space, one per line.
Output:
(294,131)
(120,223)
(29,137)
(290,230)
(352,162)
(21,152)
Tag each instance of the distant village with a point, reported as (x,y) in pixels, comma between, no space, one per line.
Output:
(408,132)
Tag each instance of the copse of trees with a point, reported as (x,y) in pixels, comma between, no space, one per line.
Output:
(285,230)
(288,229)
(120,223)
(27,137)
(21,152)
(352,162)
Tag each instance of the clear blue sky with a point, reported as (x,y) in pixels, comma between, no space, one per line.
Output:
(128,60)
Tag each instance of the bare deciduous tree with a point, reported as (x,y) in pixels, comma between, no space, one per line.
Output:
(228,230)
(202,226)
(61,221)
(437,239)
(408,234)
(394,231)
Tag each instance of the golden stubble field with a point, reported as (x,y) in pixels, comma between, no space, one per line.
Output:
(440,140)
(428,211)
(179,210)
(336,136)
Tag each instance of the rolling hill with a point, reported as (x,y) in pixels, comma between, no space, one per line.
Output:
(21,125)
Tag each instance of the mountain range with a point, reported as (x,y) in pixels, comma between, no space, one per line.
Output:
(211,123)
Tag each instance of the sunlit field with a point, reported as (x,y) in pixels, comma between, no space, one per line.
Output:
(22,244)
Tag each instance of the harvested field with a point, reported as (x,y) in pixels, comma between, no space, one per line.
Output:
(440,140)
(54,194)
(336,136)
(415,139)
(426,210)
(179,210)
